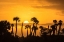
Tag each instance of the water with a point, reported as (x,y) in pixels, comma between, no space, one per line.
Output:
(25,30)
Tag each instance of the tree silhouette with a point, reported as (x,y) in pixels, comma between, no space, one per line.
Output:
(26,27)
(34,19)
(41,30)
(60,24)
(12,25)
(50,31)
(17,20)
(34,28)
(4,27)
(30,30)
(53,29)
(5,35)
(55,23)
(22,29)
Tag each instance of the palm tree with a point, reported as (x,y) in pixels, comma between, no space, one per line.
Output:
(41,30)
(12,25)
(17,20)
(50,31)
(26,27)
(53,29)
(30,30)
(22,29)
(34,19)
(60,24)
(55,23)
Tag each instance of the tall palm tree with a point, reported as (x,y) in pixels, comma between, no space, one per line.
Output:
(60,24)
(12,25)
(17,20)
(34,19)
(22,29)
(26,27)
(55,23)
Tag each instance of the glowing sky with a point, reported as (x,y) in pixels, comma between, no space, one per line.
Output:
(44,10)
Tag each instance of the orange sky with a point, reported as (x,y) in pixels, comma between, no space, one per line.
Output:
(26,9)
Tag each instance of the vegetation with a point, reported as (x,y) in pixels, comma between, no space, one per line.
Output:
(46,34)
(17,20)
(12,25)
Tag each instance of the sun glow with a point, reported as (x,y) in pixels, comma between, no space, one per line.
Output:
(26,21)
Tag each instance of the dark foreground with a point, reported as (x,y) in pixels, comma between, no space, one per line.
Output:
(57,38)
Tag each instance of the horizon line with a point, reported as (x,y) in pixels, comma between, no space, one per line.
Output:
(32,23)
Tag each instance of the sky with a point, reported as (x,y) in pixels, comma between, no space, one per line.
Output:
(44,10)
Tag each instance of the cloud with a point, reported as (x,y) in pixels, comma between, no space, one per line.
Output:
(54,4)
(49,4)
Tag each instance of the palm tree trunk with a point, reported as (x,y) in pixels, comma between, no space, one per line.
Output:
(53,32)
(22,31)
(59,29)
(35,32)
(16,27)
(56,29)
(27,32)
(12,29)
(30,32)
(36,24)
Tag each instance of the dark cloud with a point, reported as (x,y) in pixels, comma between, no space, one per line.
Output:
(55,4)
(60,2)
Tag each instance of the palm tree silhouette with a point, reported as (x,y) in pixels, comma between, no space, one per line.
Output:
(12,25)
(26,27)
(50,31)
(22,29)
(41,30)
(60,24)
(55,23)
(30,30)
(34,19)
(17,20)
(53,29)
(34,28)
